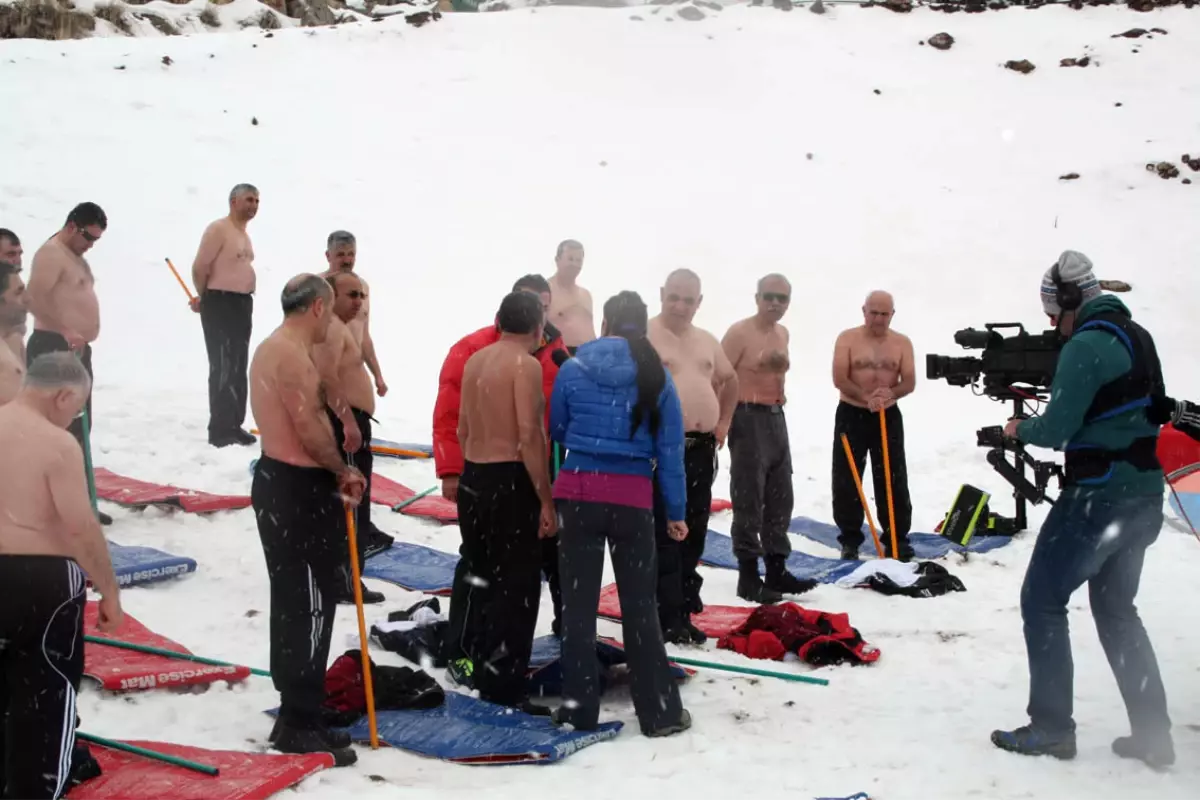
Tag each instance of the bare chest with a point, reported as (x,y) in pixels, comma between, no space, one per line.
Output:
(878,357)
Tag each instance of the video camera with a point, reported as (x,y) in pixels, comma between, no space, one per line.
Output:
(1016,368)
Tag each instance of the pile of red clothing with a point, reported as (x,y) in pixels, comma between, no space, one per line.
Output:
(396,688)
(817,637)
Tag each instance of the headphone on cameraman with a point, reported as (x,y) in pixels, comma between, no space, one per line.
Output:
(1068,296)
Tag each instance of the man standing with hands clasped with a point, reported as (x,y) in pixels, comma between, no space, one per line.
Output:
(1107,382)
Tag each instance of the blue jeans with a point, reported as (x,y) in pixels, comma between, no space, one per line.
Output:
(1101,541)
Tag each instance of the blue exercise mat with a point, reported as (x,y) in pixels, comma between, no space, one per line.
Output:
(718,552)
(413,567)
(1186,505)
(464,730)
(925,545)
(545,664)
(137,566)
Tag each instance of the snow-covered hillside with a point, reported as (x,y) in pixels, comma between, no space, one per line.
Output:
(835,148)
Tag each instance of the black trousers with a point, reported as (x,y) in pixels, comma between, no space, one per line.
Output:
(41,665)
(760,481)
(629,532)
(862,429)
(49,342)
(550,554)
(227,319)
(498,514)
(302,526)
(679,580)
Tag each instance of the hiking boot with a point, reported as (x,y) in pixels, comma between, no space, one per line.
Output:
(304,740)
(1030,741)
(677,634)
(784,582)
(698,636)
(369,596)
(461,672)
(1156,754)
(850,552)
(906,549)
(243,437)
(336,740)
(750,585)
(685,722)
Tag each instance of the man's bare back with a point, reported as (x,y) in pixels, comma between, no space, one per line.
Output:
(696,362)
(284,384)
(225,260)
(12,368)
(33,448)
(62,294)
(759,355)
(571,311)
(489,416)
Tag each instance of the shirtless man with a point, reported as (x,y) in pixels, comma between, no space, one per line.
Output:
(760,455)
(13,311)
(570,303)
(504,502)
(300,484)
(708,393)
(350,402)
(873,367)
(10,248)
(223,272)
(50,543)
(341,251)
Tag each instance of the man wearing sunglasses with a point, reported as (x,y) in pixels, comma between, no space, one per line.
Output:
(62,298)
(760,455)
(341,252)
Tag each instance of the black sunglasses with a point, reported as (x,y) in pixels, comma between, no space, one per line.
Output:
(88,236)
(775,297)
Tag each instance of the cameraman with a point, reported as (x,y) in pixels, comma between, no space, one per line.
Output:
(1109,513)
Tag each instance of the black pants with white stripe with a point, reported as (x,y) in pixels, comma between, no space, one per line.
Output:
(41,665)
(302,526)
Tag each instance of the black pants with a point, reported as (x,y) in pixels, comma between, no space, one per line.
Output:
(364,461)
(550,556)
(48,342)
(41,665)
(227,319)
(302,526)
(498,514)
(629,532)
(679,580)
(760,481)
(862,429)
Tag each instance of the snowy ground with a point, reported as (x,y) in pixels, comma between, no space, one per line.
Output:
(462,152)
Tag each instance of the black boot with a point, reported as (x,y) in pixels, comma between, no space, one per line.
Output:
(750,585)
(784,582)
(850,552)
(305,740)
(902,543)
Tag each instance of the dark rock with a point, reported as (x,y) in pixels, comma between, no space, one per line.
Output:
(166,60)
(254,120)
(1132,33)
(817,7)
(941,41)
(877,91)
(421,17)
(1186,180)
(1024,66)
(1193,163)
(1118,105)
(1165,169)
(1075,62)
(690,13)
(1070,176)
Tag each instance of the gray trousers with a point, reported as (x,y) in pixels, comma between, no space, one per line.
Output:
(760,481)
(584,528)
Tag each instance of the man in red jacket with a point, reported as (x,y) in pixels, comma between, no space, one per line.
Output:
(448,461)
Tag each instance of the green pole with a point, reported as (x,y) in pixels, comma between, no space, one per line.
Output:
(87,460)
(154,754)
(406,503)
(158,651)
(557,460)
(692,662)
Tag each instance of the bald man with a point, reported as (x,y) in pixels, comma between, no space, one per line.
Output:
(873,368)
(760,454)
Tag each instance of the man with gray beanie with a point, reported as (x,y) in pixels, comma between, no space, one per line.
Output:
(1109,512)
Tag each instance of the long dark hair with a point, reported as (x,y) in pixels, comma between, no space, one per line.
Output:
(625,315)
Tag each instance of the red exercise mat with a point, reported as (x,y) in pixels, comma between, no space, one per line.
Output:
(131,492)
(386,491)
(714,621)
(243,776)
(719,504)
(121,670)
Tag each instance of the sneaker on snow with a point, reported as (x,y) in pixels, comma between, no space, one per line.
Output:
(685,722)
(1029,741)
(461,671)
(1154,754)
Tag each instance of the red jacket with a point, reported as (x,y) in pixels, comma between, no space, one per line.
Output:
(447,454)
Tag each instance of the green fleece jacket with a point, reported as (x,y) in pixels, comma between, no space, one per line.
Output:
(1088,361)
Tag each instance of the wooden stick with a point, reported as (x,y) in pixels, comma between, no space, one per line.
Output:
(362,625)
(787,676)
(181,283)
(159,651)
(154,754)
(862,496)
(887,474)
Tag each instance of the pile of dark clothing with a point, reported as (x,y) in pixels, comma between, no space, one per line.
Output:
(922,579)
(395,688)
(420,643)
(817,637)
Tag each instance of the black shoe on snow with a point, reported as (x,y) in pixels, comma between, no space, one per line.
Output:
(369,596)
(1156,755)
(303,740)
(677,634)
(534,709)
(697,636)
(336,740)
(685,722)
(695,605)
(750,585)
(103,519)
(1029,741)
(242,437)
(784,582)
(849,553)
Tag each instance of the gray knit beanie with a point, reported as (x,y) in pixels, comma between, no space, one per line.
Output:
(1073,267)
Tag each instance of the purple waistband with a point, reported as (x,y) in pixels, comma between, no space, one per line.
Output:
(605,487)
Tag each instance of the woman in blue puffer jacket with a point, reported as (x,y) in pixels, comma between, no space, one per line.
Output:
(615,410)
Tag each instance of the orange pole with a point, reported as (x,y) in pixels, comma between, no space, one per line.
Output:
(379,449)
(887,474)
(362,625)
(862,496)
(181,283)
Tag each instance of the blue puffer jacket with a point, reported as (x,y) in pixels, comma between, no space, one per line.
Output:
(590,414)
